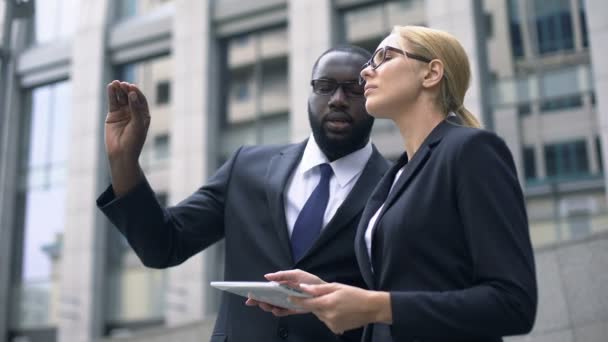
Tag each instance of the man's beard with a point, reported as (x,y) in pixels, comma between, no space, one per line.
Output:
(338,147)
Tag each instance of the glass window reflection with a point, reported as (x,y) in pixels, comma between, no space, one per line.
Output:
(131,8)
(136,294)
(257,96)
(43,199)
(55,19)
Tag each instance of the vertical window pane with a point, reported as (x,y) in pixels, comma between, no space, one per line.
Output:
(529,163)
(583,18)
(55,19)
(553,25)
(42,104)
(161,146)
(163,92)
(567,160)
(127,8)
(61,124)
(256,90)
(136,294)
(600,157)
(551,160)
(517,44)
(43,206)
(581,160)
(131,8)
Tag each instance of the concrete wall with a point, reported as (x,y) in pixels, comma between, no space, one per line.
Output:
(572,282)
(573,305)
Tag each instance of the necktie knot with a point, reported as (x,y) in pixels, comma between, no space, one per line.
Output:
(326,171)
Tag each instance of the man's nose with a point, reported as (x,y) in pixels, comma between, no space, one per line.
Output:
(338,98)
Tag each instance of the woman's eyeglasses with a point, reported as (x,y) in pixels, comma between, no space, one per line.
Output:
(327,87)
(379,57)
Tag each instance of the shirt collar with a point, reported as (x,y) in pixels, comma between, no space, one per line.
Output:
(345,168)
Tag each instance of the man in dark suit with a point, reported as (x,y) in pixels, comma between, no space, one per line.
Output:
(255,200)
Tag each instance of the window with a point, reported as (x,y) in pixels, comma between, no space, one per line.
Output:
(553,26)
(598,150)
(524,109)
(488,21)
(127,8)
(241,90)
(583,17)
(163,92)
(161,146)
(41,203)
(135,295)
(517,44)
(131,8)
(529,163)
(567,160)
(54,19)
(256,92)
(573,101)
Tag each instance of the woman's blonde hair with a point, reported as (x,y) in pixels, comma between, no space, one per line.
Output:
(436,44)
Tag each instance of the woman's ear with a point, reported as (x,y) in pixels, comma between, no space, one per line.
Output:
(434,73)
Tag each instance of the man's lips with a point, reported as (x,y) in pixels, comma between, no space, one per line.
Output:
(337,121)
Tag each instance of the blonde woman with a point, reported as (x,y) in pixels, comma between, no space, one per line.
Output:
(443,243)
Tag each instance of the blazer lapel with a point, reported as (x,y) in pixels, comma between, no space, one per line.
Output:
(375,201)
(354,202)
(277,174)
(414,165)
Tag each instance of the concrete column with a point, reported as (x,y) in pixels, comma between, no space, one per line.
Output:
(83,255)
(576,25)
(528,29)
(310,33)
(187,291)
(459,19)
(506,124)
(597,28)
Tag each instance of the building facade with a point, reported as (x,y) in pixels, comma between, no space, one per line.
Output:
(222,73)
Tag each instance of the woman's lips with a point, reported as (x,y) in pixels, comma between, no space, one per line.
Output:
(368,88)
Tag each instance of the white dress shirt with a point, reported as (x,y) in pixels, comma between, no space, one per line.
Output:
(372,222)
(306,176)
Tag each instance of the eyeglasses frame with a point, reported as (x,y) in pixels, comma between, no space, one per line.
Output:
(394,49)
(338,85)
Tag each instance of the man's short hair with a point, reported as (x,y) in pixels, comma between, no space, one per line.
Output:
(357,50)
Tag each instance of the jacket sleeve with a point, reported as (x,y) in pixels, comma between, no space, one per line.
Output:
(164,237)
(503,298)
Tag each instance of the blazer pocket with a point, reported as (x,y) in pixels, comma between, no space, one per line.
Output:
(219,338)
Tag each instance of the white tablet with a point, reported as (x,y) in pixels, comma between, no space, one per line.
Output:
(267,292)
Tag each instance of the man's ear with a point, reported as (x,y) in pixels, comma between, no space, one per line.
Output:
(434,73)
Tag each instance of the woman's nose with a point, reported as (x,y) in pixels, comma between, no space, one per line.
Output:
(364,74)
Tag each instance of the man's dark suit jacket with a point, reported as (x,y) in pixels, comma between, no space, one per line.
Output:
(453,242)
(243,203)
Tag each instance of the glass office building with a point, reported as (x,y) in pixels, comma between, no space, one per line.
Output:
(222,73)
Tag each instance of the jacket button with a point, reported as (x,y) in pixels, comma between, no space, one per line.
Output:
(283,332)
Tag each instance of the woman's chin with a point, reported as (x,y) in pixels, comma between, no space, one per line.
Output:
(375,110)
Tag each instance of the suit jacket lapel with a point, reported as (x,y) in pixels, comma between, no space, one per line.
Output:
(375,201)
(416,163)
(354,202)
(277,175)
(410,170)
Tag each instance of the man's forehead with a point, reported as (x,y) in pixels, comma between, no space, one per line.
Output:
(340,64)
